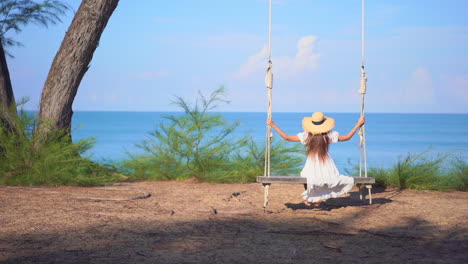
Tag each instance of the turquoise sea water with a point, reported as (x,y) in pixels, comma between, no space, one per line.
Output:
(388,135)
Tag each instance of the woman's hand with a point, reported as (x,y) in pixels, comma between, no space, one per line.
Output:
(281,133)
(361,121)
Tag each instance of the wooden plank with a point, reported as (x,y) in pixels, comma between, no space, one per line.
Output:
(291,179)
(364,180)
(281,179)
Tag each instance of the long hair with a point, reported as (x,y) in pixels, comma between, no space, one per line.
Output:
(318,145)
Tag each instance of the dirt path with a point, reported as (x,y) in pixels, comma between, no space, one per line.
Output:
(189,222)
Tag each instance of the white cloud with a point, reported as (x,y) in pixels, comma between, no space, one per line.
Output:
(93,96)
(419,88)
(456,88)
(112,97)
(416,89)
(304,61)
(149,75)
(254,64)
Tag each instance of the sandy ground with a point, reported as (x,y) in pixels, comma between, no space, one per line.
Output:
(190,222)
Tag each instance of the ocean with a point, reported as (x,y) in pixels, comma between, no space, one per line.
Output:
(389,136)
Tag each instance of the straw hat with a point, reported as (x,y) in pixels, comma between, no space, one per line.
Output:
(318,123)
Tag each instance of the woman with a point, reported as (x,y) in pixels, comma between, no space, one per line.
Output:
(323,179)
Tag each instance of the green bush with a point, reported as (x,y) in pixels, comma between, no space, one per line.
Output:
(56,162)
(248,162)
(423,171)
(199,144)
(457,175)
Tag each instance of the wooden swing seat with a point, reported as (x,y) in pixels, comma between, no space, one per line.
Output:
(359,181)
(291,179)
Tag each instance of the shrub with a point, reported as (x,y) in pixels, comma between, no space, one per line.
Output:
(200,144)
(423,171)
(56,162)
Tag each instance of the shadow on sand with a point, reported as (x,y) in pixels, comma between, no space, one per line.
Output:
(238,240)
(247,238)
(340,202)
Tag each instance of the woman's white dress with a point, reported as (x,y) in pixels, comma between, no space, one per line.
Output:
(323,179)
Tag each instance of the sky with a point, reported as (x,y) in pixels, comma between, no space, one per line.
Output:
(416,56)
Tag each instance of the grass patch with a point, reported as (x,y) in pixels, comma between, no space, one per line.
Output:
(423,171)
(56,162)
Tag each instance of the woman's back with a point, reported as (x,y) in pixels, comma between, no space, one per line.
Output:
(323,178)
(322,170)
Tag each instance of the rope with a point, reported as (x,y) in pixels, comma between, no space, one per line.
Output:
(362,91)
(363,31)
(266,188)
(269,30)
(269,86)
(269,133)
(362,130)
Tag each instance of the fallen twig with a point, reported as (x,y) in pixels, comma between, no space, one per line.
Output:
(115,199)
(308,232)
(144,196)
(336,249)
(394,235)
(358,232)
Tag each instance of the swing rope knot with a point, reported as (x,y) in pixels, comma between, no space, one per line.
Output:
(269,76)
(362,139)
(363,88)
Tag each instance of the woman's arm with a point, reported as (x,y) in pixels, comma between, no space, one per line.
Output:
(281,133)
(359,123)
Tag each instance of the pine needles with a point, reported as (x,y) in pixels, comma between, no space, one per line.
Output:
(57,162)
(199,144)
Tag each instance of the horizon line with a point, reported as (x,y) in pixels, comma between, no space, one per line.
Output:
(292,112)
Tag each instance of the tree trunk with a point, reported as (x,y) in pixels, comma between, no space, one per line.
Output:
(7,99)
(70,64)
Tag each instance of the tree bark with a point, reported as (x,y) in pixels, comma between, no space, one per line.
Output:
(7,99)
(71,63)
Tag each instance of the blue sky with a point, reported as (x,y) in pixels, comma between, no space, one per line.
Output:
(416,56)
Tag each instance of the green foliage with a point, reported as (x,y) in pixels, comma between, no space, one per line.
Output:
(423,171)
(57,162)
(457,175)
(199,144)
(15,14)
(286,159)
